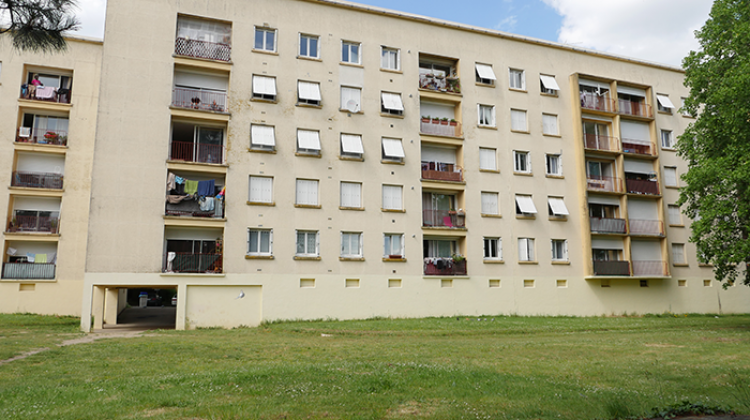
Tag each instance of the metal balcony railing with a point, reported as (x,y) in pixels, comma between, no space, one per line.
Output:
(603,183)
(638,147)
(197,152)
(442,218)
(444,267)
(179,262)
(37,180)
(46,94)
(40,224)
(593,101)
(646,227)
(649,268)
(642,186)
(439,83)
(611,268)
(205,100)
(602,225)
(440,171)
(202,49)
(597,142)
(41,136)
(440,128)
(637,109)
(29,271)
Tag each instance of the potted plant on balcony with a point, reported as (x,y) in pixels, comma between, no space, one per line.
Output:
(453,122)
(425,119)
(435,120)
(457,258)
(53,225)
(444,121)
(50,137)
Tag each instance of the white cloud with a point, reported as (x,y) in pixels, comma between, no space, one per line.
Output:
(507,24)
(654,30)
(91,15)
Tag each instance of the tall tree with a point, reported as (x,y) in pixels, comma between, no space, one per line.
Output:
(717,144)
(37,25)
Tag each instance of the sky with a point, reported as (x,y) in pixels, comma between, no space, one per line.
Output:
(652,30)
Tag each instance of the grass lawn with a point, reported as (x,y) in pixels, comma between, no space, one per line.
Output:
(437,368)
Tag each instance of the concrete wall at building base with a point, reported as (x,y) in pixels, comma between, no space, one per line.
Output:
(40,297)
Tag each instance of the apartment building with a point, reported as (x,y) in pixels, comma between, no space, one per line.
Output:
(269,165)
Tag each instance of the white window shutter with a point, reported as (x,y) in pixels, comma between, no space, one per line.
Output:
(518,120)
(522,250)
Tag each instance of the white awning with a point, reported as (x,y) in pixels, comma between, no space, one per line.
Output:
(485,71)
(309,140)
(631,91)
(607,201)
(393,148)
(264,85)
(558,206)
(392,101)
(595,118)
(664,101)
(351,143)
(639,166)
(593,83)
(526,204)
(549,82)
(599,243)
(263,135)
(309,91)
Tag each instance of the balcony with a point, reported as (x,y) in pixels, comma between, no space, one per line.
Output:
(595,102)
(646,227)
(197,152)
(37,180)
(603,183)
(193,207)
(28,271)
(443,218)
(41,136)
(597,142)
(439,83)
(435,127)
(202,49)
(180,262)
(602,225)
(638,147)
(649,268)
(46,94)
(34,224)
(204,100)
(636,109)
(439,171)
(642,186)
(444,267)
(611,268)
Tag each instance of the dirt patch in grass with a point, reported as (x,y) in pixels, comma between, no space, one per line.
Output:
(661,345)
(412,409)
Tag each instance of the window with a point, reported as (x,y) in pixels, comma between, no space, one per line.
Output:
(391,103)
(261,189)
(308,142)
(486,115)
(393,150)
(526,249)
(664,104)
(683,111)
(350,52)
(259,242)
(675,217)
(556,207)
(351,146)
(307,192)
(517,79)
(485,74)
(392,197)
(487,159)
(559,250)
(393,244)
(351,244)
(553,163)
(518,120)
(521,162)
(351,99)
(307,243)
(265,39)
(525,205)
(308,93)
(678,253)
(309,46)
(549,124)
(667,141)
(493,249)
(264,87)
(549,85)
(351,195)
(489,203)
(390,58)
(670,176)
(262,137)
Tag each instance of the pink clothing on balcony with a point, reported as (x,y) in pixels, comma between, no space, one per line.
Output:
(45,92)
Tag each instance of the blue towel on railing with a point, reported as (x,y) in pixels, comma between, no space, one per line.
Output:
(206,188)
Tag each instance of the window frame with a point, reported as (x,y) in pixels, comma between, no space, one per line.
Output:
(265,96)
(526,160)
(519,210)
(402,251)
(351,155)
(525,120)
(495,197)
(342,202)
(397,51)
(297,193)
(544,126)
(676,183)
(489,151)
(564,257)
(527,246)
(307,151)
(350,44)
(683,260)
(493,116)
(547,165)
(670,134)
(265,30)
(401,197)
(671,216)
(487,251)
(263,147)
(392,111)
(387,158)
(548,91)
(511,71)
(343,107)
(309,101)
(250,190)
(481,81)
(306,233)
(309,37)
(360,239)
(260,252)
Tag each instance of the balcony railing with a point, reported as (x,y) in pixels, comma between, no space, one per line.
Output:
(444,267)
(440,171)
(202,49)
(37,180)
(179,262)
(195,208)
(638,147)
(46,94)
(604,103)
(40,224)
(638,109)
(602,225)
(197,152)
(439,83)
(597,142)
(40,136)
(440,128)
(603,183)
(443,218)
(29,271)
(205,100)
(611,268)
(646,227)
(642,186)
(649,268)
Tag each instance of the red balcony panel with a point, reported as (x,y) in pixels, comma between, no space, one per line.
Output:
(642,186)
(199,99)
(442,218)
(592,101)
(646,227)
(202,49)
(601,225)
(638,147)
(603,183)
(649,268)
(179,262)
(439,171)
(199,153)
(40,224)
(637,109)
(440,128)
(597,142)
(444,267)
(611,268)
(37,180)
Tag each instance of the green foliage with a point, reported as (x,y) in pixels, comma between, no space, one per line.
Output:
(716,146)
(686,408)
(38,25)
